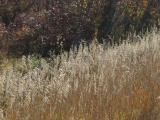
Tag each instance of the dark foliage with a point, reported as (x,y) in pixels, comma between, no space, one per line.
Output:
(120,18)
(40,26)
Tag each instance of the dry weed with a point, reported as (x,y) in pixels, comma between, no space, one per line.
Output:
(117,83)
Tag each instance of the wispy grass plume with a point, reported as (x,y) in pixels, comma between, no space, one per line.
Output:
(95,83)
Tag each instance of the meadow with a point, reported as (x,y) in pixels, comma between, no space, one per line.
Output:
(97,82)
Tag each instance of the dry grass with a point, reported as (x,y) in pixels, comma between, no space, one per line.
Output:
(115,83)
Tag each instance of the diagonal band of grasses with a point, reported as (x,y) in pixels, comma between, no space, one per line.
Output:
(95,83)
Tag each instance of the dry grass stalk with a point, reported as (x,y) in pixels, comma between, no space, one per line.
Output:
(117,83)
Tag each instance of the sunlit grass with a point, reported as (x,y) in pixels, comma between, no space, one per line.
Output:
(97,83)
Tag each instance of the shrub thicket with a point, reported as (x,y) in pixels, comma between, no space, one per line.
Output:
(38,26)
(121,17)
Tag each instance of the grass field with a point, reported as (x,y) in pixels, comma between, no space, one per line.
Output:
(95,83)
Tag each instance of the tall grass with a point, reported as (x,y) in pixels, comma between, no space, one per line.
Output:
(95,83)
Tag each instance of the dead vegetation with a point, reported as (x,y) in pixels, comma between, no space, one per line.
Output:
(95,83)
